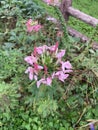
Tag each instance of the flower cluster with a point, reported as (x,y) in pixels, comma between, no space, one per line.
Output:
(46,64)
(33,26)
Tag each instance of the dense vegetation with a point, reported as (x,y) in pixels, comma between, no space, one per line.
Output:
(90,8)
(63,106)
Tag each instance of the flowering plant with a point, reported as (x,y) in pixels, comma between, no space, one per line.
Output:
(46,64)
(33,26)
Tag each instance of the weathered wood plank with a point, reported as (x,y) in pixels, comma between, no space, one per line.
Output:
(82,37)
(82,16)
(67,10)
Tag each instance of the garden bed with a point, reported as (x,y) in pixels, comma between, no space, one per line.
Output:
(67,102)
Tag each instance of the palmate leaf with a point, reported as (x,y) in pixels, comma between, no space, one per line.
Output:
(8,96)
(80,77)
(47,107)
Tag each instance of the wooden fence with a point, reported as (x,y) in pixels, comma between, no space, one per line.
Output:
(67,10)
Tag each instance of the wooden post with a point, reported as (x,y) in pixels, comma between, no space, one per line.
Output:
(65,4)
(67,10)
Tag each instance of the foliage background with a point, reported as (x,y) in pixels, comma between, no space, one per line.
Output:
(62,106)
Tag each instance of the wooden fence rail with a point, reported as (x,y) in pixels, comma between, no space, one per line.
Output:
(67,10)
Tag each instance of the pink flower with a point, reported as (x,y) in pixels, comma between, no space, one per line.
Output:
(66,65)
(31,27)
(56,68)
(60,54)
(61,76)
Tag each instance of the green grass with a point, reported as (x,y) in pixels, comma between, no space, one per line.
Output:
(49,9)
(89,7)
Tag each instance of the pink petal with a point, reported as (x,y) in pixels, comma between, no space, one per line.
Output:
(35,77)
(34,59)
(29,22)
(30,76)
(37,27)
(49,81)
(53,75)
(45,47)
(37,67)
(45,69)
(35,51)
(28,59)
(40,67)
(54,48)
(30,71)
(31,27)
(66,65)
(60,54)
(40,81)
(61,76)
(39,50)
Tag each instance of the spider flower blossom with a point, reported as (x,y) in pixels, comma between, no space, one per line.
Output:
(46,63)
(33,26)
